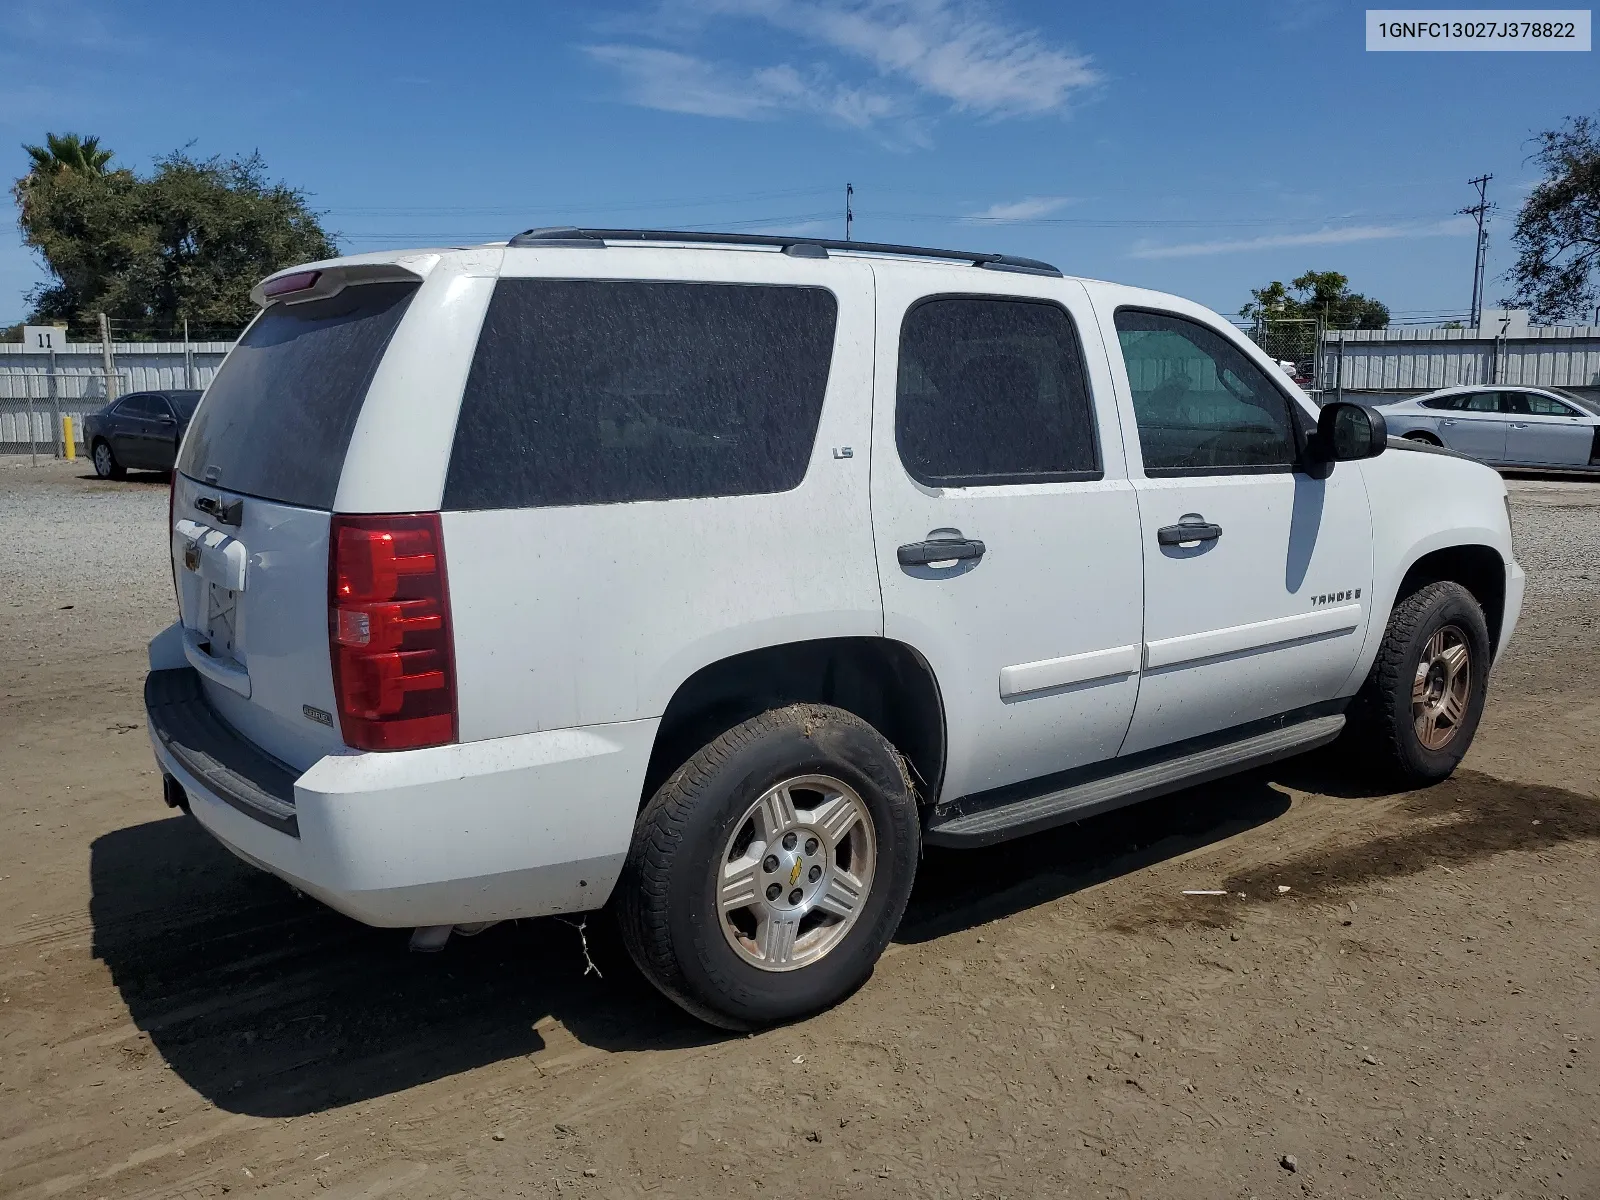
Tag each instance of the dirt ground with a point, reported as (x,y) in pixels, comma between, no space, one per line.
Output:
(1418,1015)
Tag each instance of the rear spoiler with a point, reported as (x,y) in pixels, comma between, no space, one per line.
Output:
(296,285)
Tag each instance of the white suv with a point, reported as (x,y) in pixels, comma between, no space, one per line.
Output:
(713,575)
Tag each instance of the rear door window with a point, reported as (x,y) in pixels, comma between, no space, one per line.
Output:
(277,420)
(601,392)
(993,391)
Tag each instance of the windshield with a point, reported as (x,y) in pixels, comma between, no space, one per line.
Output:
(1583,402)
(183,403)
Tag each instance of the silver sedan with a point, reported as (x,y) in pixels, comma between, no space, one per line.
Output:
(1505,426)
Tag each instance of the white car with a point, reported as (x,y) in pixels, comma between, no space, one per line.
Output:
(711,576)
(1506,426)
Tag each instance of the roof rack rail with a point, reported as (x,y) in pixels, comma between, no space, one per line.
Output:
(795,246)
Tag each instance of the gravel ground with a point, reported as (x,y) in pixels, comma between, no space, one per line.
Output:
(1399,995)
(81,553)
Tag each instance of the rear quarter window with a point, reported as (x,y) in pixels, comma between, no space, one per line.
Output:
(602,392)
(276,422)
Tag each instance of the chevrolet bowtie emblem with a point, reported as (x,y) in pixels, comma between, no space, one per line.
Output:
(794,874)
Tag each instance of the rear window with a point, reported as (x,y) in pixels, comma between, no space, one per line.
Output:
(599,392)
(277,419)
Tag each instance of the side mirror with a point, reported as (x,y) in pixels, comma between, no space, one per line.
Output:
(1346,432)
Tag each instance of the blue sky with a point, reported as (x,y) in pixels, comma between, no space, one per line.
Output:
(1199,148)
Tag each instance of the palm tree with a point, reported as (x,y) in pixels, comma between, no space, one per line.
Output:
(68,152)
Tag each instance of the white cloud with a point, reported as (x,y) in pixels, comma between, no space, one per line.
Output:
(801,228)
(954,49)
(958,52)
(1326,236)
(1029,208)
(676,82)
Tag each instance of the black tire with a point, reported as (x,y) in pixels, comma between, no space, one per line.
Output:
(667,904)
(1383,729)
(1427,439)
(105,461)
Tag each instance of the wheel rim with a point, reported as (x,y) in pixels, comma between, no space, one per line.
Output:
(1442,686)
(102,459)
(796,872)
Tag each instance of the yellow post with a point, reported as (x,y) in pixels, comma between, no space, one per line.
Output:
(66,437)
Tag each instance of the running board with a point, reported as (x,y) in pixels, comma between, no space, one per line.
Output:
(999,823)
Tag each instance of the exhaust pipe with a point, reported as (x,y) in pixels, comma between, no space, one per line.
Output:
(430,939)
(172,792)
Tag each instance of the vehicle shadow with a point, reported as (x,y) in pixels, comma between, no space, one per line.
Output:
(957,889)
(1534,475)
(269,1004)
(145,478)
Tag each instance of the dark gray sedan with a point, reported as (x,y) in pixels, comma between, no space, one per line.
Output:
(1504,426)
(141,430)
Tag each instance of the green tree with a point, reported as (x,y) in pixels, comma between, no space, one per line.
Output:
(186,242)
(1318,295)
(1557,273)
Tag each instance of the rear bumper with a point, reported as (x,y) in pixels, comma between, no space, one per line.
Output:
(511,827)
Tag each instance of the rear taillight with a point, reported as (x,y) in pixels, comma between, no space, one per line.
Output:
(389,631)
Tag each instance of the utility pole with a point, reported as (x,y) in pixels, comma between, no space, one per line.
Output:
(1479,210)
(849,217)
(107,359)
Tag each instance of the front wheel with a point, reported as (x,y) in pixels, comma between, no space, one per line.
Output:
(1420,706)
(769,872)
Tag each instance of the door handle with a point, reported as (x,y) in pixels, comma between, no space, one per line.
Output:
(1190,529)
(1448,421)
(920,554)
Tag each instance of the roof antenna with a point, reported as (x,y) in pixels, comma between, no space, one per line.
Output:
(849,217)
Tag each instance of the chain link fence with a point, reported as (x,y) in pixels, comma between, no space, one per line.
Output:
(33,403)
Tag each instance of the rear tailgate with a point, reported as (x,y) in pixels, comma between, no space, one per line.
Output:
(255,486)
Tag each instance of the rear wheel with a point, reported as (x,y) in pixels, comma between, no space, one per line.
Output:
(1427,439)
(1420,706)
(768,873)
(105,462)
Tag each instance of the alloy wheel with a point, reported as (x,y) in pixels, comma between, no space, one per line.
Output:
(796,872)
(1442,686)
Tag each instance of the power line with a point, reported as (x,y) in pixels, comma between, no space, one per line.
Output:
(937,218)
